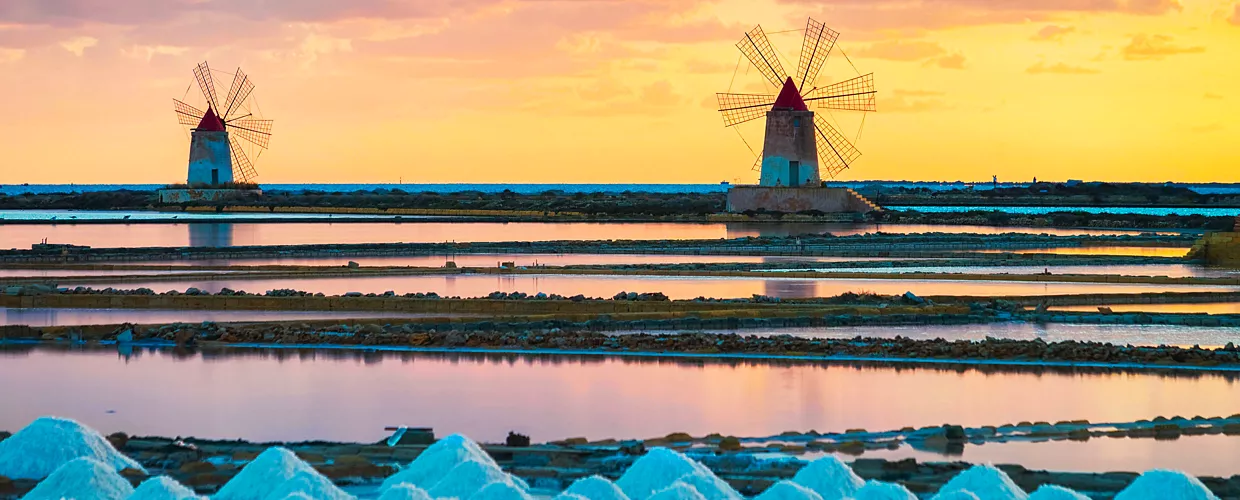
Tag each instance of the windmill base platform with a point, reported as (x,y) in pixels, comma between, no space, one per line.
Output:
(209,195)
(797,199)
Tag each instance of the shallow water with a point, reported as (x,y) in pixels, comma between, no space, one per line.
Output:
(351,396)
(38,317)
(1170,270)
(1146,335)
(1206,211)
(477,285)
(241,234)
(1206,307)
(39,273)
(1132,251)
(520,259)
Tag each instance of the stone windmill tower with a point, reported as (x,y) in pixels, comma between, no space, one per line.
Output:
(221,135)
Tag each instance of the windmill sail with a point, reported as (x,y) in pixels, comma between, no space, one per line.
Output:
(257,132)
(237,93)
(835,152)
(815,48)
(740,108)
(186,114)
(242,168)
(757,48)
(202,73)
(856,94)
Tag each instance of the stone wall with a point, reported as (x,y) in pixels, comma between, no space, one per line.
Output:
(199,195)
(1217,249)
(797,199)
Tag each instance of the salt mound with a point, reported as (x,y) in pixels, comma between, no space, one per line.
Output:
(437,460)
(829,477)
(163,488)
(986,482)
(570,496)
(1159,484)
(404,491)
(788,490)
(312,484)
(1053,492)
(82,479)
(49,442)
(297,495)
(710,486)
(677,491)
(262,476)
(956,495)
(878,490)
(596,488)
(501,490)
(467,478)
(656,470)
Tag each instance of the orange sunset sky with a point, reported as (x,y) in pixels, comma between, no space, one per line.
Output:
(618,91)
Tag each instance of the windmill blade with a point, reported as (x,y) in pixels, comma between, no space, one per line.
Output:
(237,93)
(258,132)
(856,94)
(757,48)
(815,47)
(242,168)
(202,73)
(186,114)
(835,153)
(757,163)
(740,108)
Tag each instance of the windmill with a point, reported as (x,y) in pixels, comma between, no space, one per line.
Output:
(800,145)
(224,136)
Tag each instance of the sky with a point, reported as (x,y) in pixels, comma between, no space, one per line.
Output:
(621,91)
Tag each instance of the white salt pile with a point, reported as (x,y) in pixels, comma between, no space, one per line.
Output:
(1053,492)
(1161,484)
(296,495)
(312,483)
(788,490)
(956,495)
(829,477)
(163,488)
(986,482)
(596,488)
(677,491)
(404,491)
(49,442)
(878,490)
(710,486)
(656,470)
(437,460)
(501,490)
(468,477)
(262,476)
(82,479)
(570,496)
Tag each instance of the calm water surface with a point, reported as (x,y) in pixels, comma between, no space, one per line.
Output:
(1171,270)
(1132,251)
(351,396)
(521,259)
(240,234)
(72,317)
(1054,332)
(1208,308)
(1206,211)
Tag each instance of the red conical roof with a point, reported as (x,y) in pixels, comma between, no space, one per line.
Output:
(789,97)
(211,123)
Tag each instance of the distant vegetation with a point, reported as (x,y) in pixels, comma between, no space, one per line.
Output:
(225,185)
(1059,194)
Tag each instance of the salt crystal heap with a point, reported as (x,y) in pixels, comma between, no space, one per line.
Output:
(956,495)
(163,488)
(788,490)
(986,482)
(1053,492)
(877,490)
(82,479)
(49,442)
(710,486)
(829,478)
(570,496)
(501,490)
(437,460)
(677,491)
(1161,484)
(660,468)
(311,483)
(404,491)
(596,488)
(469,477)
(261,477)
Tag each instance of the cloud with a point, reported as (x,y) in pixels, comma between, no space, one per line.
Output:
(1205,129)
(899,50)
(1213,96)
(1152,47)
(1235,16)
(1153,7)
(1042,68)
(11,55)
(1052,32)
(147,52)
(916,93)
(954,61)
(911,101)
(78,45)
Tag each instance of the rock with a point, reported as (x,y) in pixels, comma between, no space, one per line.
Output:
(195,468)
(353,265)
(912,298)
(118,439)
(125,337)
(352,294)
(517,440)
(730,443)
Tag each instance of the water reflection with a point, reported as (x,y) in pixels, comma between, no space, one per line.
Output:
(39,317)
(210,235)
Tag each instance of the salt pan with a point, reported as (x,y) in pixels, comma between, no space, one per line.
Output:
(501,490)
(437,460)
(49,442)
(163,488)
(313,484)
(1161,484)
(677,491)
(596,488)
(877,490)
(404,491)
(467,478)
(788,490)
(82,479)
(829,477)
(654,471)
(987,482)
(260,478)
(1053,492)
